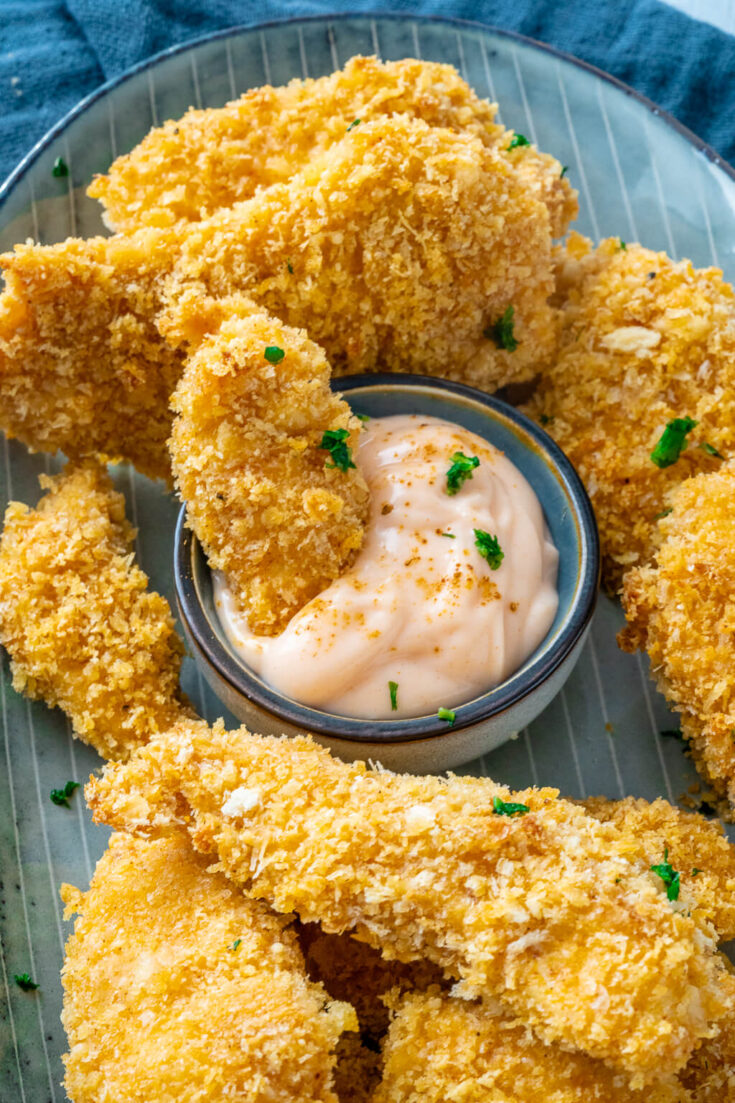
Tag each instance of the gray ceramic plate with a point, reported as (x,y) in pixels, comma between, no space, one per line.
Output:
(639,176)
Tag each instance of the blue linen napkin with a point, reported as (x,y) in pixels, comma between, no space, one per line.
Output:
(52,53)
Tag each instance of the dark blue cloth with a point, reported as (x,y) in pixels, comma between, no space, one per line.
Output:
(53,52)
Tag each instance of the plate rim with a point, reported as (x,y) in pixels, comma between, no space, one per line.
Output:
(17,175)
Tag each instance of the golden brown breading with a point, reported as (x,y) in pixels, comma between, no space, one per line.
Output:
(81,627)
(178,987)
(681,610)
(441,1049)
(396,250)
(269,506)
(190,168)
(82,366)
(644,340)
(537,909)
(693,843)
(710,1074)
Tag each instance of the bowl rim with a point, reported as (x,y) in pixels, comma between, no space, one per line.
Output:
(8,185)
(480,709)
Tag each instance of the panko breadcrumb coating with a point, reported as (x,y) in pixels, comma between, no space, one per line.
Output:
(267,503)
(397,249)
(178,987)
(441,1049)
(82,366)
(538,909)
(697,849)
(710,1075)
(76,616)
(645,339)
(189,168)
(681,610)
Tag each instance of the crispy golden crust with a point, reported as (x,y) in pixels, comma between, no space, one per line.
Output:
(681,611)
(580,944)
(710,1074)
(644,340)
(190,168)
(82,367)
(82,629)
(396,249)
(246,456)
(440,1049)
(693,843)
(158,1004)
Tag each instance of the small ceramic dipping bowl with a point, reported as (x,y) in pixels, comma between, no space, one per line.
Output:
(422,744)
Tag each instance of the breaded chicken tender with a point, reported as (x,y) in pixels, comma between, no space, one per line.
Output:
(82,366)
(681,610)
(76,616)
(267,502)
(710,1075)
(537,909)
(401,248)
(644,340)
(697,849)
(190,168)
(441,1049)
(178,987)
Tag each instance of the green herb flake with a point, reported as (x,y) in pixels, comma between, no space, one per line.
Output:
(508,808)
(695,871)
(449,535)
(60,168)
(672,733)
(564,171)
(518,140)
(545,419)
(711,450)
(61,796)
(622,245)
(393,689)
(461,470)
(273,354)
(363,417)
(672,441)
(353,124)
(489,548)
(289,266)
(446,714)
(24,981)
(670,877)
(333,441)
(501,332)
(663,513)
(235,944)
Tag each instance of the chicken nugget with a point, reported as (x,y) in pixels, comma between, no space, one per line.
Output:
(81,627)
(534,907)
(681,610)
(696,848)
(710,1074)
(270,506)
(404,247)
(440,1049)
(82,366)
(645,340)
(190,168)
(178,987)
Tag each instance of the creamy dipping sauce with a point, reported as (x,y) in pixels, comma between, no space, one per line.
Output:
(420,606)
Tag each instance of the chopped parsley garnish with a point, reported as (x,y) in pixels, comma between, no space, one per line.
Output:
(60,168)
(672,733)
(446,714)
(273,354)
(695,871)
(508,808)
(449,535)
(564,171)
(663,513)
(333,442)
(545,419)
(393,689)
(672,441)
(353,124)
(501,332)
(518,140)
(670,877)
(363,417)
(235,944)
(489,548)
(24,981)
(289,266)
(461,470)
(711,450)
(61,796)
(622,245)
